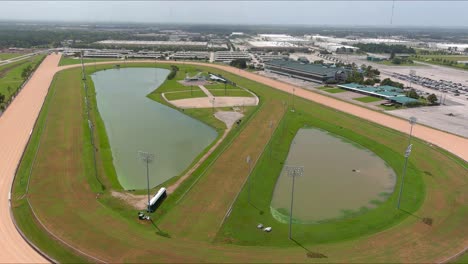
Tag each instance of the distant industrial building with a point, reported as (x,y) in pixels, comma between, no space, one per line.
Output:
(191,55)
(228,56)
(393,94)
(308,72)
(143,43)
(274,46)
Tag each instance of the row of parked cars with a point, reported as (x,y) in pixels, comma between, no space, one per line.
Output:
(441,85)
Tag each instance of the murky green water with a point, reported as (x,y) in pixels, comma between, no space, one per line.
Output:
(329,187)
(134,122)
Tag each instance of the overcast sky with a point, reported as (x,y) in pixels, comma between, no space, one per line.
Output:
(377,13)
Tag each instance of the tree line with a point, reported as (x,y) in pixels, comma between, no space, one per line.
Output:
(384,48)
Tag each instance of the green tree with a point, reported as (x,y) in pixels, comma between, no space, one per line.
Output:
(2,98)
(355,77)
(432,98)
(239,63)
(412,94)
(369,82)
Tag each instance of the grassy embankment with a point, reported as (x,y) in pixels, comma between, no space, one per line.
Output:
(6,56)
(444,60)
(70,61)
(10,75)
(92,224)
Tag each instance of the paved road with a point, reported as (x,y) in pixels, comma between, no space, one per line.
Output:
(15,126)
(18,121)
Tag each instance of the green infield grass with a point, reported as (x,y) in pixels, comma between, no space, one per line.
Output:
(6,56)
(74,198)
(70,61)
(185,94)
(368,99)
(334,90)
(10,75)
(231,92)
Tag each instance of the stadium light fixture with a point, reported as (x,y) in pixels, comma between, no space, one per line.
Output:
(147,158)
(412,120)
(293,171)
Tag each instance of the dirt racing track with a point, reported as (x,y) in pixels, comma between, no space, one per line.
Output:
(18,121)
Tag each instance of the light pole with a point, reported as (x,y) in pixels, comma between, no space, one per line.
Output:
(248,160)
(293,171)
(270,125)
(407,154)
(293,109)
(147,158)
(213,102)
(412,121)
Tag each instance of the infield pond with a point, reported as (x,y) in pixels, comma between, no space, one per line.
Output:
(136,123)
(340,179)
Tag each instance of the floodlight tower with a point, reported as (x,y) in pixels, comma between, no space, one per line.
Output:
(249,162)
(412,121)
(213,103)
(147,158)
(293,171)
(270,125)
(293,92)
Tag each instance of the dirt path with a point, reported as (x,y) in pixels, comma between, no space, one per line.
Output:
(208,93)
(16,123)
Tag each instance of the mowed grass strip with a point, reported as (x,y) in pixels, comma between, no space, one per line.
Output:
(70,60)
(218,86)
(185,94)
(231,92)
(10,75)
(6,55)
(334,90)
(221,182)
(368,99)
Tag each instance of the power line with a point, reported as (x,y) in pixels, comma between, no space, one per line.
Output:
(393,7)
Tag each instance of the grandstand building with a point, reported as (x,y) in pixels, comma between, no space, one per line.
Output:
(228,56)
(308,72)
(191,55)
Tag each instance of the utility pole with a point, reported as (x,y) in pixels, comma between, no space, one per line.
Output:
(293,171)
(248,160)
(147,158)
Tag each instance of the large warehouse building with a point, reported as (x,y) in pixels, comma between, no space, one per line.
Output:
(308,72)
